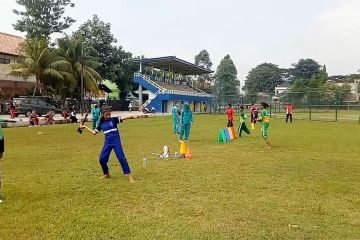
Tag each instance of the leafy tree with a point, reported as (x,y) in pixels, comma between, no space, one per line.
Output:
(299,86)
(226,82)
(305,69)
(44,64)
(331,93)
(203,60)
(263,78)
(298,92)
(117,65)
(41,18)
(318,79)
(71,49)
(204,81)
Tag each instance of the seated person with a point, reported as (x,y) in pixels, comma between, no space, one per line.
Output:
(49,118)
(34,120)
(73,116)
(65,114)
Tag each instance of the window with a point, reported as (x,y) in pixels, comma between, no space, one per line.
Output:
(4,61)
(34,101)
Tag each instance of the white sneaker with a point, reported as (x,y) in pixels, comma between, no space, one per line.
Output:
(1,201)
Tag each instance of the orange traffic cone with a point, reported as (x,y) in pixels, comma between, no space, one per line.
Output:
(188,154)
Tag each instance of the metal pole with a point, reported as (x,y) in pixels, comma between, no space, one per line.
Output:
(82,78)
(310,106)
(336,106)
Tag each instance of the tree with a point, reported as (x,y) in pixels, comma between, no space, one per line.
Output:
(331,93)
(299,86)
(226,82)
(204,81)
(117,65)
(44,64)
(263,78)
(305,69)
(203,60)
(41,18)
(319,79)
(71,49)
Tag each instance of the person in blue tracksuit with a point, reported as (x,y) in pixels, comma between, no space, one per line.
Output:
(108,125)
(186,120)
(175,115)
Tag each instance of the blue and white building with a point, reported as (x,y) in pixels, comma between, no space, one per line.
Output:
(166,80)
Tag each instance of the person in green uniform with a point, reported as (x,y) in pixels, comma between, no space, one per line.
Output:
(95,114)
(2,147)
(243,118)
(265,122)
(175,115)
(186,120)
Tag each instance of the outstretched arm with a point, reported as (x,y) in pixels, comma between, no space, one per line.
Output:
(93,132)
(129,117)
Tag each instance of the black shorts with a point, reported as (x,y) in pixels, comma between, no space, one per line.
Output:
(2,145)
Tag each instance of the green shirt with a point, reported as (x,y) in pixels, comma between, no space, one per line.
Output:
(265,116)
(243,117)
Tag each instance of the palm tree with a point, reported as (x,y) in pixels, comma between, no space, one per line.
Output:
(81,60)
(48,68)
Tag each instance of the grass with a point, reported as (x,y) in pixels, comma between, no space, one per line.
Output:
(239,190)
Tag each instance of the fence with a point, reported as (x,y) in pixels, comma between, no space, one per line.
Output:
(336,106)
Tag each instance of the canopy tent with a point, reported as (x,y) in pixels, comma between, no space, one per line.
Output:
(174,64)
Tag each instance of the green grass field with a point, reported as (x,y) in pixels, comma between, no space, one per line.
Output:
(239,190)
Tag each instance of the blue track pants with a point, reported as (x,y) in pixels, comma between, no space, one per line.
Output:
(105,154)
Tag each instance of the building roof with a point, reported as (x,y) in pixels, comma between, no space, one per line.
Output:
(9,44)
(174,64)
(111,85)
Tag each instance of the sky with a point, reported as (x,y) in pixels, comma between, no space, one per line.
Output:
(252,32)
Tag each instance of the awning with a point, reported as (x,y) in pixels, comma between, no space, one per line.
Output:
(174,64)
(104,88)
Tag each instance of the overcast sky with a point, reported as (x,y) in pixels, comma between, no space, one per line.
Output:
(252,32)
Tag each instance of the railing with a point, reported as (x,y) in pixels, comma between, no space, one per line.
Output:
(199,90)
(146,103)
(163,90)
(186,93)
(149,80)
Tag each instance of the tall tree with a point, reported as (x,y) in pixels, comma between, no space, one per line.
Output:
(44,64)
(81,60)
(203,59)
(319,79)
(305,69)
(263,78)
(117,65)
(226,82)
(41,18)
(204,81)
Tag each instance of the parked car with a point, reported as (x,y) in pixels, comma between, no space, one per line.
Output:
(26,105)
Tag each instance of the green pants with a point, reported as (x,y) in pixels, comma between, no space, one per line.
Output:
(265,130)
(244,128)
(185,129)
(95,122)
(176,126)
